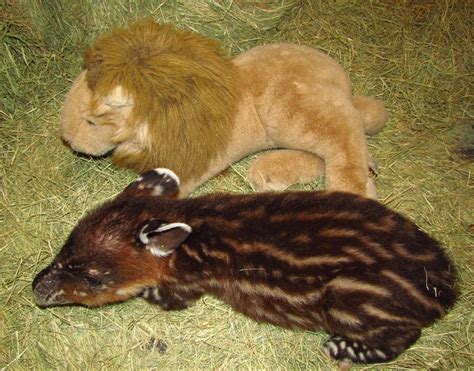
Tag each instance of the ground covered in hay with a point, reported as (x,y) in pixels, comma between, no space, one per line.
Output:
(414,55)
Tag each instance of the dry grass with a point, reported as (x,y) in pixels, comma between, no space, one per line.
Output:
(414,55)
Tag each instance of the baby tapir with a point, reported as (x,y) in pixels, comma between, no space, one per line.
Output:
(311,260)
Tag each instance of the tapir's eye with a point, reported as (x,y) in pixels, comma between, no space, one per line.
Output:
(92,280)
(91,123)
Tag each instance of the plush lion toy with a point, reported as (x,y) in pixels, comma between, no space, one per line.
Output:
(154,96)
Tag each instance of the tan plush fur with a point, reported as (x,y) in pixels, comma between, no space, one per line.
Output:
(158,96)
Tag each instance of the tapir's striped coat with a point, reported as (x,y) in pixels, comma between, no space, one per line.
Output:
(312,260)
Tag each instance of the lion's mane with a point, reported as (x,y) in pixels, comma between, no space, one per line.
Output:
(183,88)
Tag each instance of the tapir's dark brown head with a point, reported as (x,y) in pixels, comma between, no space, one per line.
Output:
(118,250)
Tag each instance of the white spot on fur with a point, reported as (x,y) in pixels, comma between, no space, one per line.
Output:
(168,173)
(80,293)
(380,353)
(159,252)
(156,294)
(343,345)
(333,347)
(128,291)
(144,236)
(351,352)
(143,134)
(169,226)
(121,292)
(157,191)
(362,357)
(299,85)
(118,98)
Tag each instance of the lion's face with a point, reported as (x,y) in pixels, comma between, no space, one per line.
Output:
(157,97)
(93,125)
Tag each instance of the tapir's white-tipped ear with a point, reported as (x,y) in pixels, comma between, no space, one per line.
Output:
(118,98)
(161,238)
(159,182)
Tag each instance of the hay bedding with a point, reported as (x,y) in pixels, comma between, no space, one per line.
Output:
(414,55)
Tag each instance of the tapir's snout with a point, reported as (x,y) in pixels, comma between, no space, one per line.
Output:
(47,289)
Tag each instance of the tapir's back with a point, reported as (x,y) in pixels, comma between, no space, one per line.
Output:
(300,242)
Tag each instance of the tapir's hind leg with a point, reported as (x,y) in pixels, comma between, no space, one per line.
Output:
(393,341)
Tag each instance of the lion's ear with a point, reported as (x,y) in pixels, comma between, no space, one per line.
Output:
(159,182)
